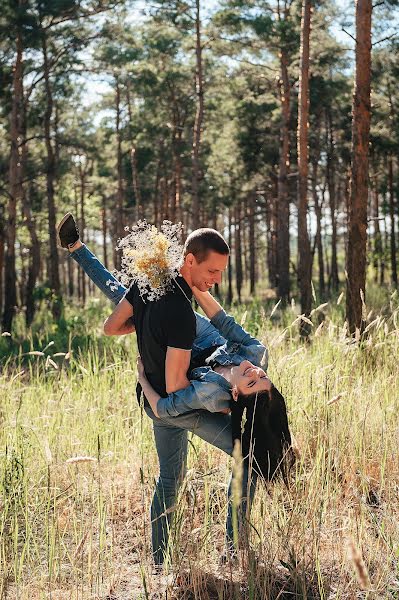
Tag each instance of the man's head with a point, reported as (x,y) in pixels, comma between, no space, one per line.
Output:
(205,257)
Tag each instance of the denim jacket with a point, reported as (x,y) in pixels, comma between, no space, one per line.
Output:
(208,390)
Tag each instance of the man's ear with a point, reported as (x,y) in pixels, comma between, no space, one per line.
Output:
(189,259)
(234,393)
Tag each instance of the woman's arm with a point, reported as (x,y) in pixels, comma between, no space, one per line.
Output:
(207,302)
(226,324)
(148,391)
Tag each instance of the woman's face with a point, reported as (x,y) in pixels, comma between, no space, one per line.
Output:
(249,379)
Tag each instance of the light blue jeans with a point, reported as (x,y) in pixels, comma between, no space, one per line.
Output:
(171,433)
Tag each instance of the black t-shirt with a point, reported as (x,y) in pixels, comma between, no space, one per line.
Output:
(169,321)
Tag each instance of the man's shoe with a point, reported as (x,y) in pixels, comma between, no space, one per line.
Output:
(67,232)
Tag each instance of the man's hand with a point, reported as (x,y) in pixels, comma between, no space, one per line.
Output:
(118,322)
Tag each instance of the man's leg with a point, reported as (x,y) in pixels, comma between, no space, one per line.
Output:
(171,445)
(214,428)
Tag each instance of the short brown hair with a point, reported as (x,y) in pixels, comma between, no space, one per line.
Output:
(202,241)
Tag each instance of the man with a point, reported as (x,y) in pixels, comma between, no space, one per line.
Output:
(165,335)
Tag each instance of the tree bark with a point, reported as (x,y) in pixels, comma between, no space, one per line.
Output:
(15,189)
(331,164)
(82,169)
(377,242)
(394,270)
(319,240)
(283,215)
(229,267)
(133,160)
(304,254)
(119,224)
(357,226)
(252,252)
(104,230)
(199,117)
(34,250)
(271,228)
(54,277)
(238,249)
(2,247)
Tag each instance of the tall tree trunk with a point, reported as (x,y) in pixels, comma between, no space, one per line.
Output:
(70,276)
(319,240)
(252,252)
(119,223)
(54,276)
(199,117)
(156,201)
(357,230)
(304,255)
(394,270)
(10,289)
(283,234)
(82,182)
(238,249)
(104,230)
(229,267)
(2,247)
(78,274)
(271,224)
(175,213)
(377,242)
(34,251)
(331,164)
(133,160)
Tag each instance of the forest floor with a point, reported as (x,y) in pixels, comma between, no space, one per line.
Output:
(78,463)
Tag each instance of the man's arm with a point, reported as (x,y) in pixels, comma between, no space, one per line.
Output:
(176,366)
(118,322)
(205,395)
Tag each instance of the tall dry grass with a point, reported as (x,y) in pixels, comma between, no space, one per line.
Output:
(78,463)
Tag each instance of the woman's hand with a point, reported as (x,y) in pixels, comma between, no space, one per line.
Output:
(148,391)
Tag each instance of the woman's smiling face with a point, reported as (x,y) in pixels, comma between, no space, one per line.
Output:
(249,379)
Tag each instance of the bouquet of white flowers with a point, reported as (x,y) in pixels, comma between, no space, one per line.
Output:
(150,257)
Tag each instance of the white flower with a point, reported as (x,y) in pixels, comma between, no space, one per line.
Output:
(150,258)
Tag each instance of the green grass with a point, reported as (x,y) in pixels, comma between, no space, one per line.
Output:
(81,529)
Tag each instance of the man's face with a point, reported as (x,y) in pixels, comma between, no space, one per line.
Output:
(208,272)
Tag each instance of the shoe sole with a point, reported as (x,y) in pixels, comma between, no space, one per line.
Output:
(60,224)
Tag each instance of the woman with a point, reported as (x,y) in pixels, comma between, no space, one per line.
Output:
(225,375)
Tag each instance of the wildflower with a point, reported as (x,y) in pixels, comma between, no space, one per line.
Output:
(150,258)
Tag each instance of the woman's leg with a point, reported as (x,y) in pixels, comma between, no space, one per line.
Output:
(99,275)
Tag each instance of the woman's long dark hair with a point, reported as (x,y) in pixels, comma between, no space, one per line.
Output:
(265,436)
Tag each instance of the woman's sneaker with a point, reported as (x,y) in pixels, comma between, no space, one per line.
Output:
(67,232)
